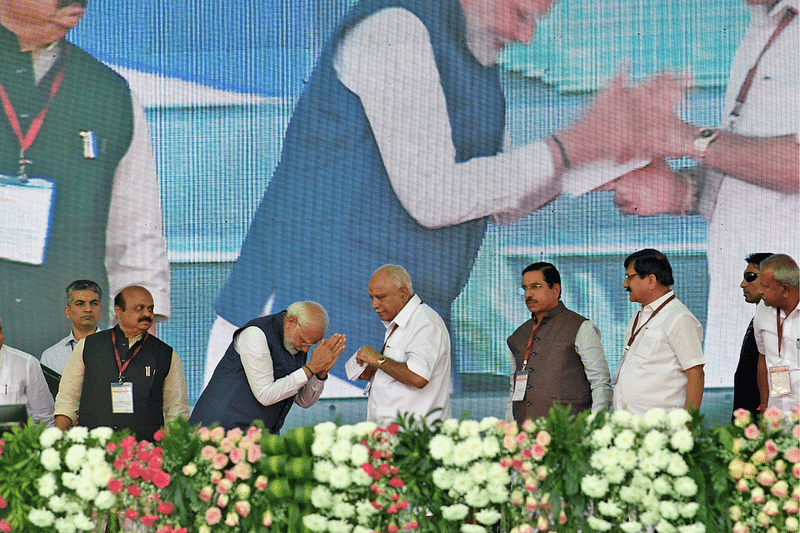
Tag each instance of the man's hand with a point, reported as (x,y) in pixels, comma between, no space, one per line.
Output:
(325,355)
(367,355)
(651,190)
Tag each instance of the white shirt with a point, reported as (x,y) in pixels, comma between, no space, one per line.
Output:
(387,60)
(136,250)
(251,345)
(766,333)
(22,381)
(652,373)
(57,355)
(422,342)
(748,218)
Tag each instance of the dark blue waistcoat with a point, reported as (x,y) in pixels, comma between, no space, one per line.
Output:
(228,398)
(329,216)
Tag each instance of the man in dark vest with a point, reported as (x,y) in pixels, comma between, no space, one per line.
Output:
(123,377)
(71,127)
(745,380)
(397,152)
(558,356)
(266,369)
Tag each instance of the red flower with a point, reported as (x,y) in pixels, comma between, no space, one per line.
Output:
(149,519)
(130,514)
(385,468)
(393,528)
(402,505)
(392,510)
(376,505)
(119,464)
(393,429)
(3,503)
(134,490)
(5,527)
(159,436)
(396,482)
(110,447)
(128,442)
(412,525)
(376,454)
(166,508)
(161,479)
(115,485)
(135,469)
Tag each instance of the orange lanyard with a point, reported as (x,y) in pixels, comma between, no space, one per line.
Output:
(635,332)
(121,366)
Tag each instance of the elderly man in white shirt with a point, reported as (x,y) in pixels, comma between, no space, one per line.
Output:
(22,381)
(662,365)
(410,375)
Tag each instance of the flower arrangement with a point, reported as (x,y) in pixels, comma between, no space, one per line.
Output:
(764,462)
(640,474)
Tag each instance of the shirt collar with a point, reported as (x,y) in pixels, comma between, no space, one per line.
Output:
(760,14)
(550,312)
(654,304)
(405,313)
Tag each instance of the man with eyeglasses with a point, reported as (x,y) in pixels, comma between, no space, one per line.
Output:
(557,354)
(266,369)
(745,380)
(662,364)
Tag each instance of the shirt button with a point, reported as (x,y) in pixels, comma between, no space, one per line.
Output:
(528,404)
(22,70)
(528,387)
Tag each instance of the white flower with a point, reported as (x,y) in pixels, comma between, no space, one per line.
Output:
(364,508)
(630,527)
(64,525)
(77,433)
(627,460)
(315,522)
(614,476)
(450,426)
(322,444)
(70,480)
(324,428)
(360,478)
(498,475)
(598,524)
(472,528)
(641,481)
(678,418)
(461,456)
(364,429)
(105,500)
(497,493)
(682,440)
(462,483)
(75,457)
(692,528)
(340,451)
(491,446)
(654,441)
(488,423)
(339,526)
(677,466)
(477,498)
(624,439)
(103,434)
(609,508)
(322,471)
(359,455)
(86,489)
(665,527)
(655,417)
(688,510)
(441,446)
(488,517)
(340,477)
(343,510)
(41,517)
(479,472)
(669,510)
(649,517)
(631,494)
(95,456)
(83,522)
(344,432)
(602,437)
(685,486)
(622,419)
(455,512)
(469,428)
(662,485)
(57,503)
(442,478)
(321,497)
(47,485)
(361,529)
(594,486)
(100,473)
(50,436)
(51,459)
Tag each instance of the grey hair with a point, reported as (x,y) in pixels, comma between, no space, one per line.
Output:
(399,275)
(83,285)
(309,314)
(784,269)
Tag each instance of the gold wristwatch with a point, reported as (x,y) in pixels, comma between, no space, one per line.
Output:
(705,136)
(381,360)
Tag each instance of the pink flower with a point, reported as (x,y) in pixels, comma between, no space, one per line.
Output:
(3,503)
(538,451)
(227,445)
(134,490)
(412,525)
(242,507)
(392,509)
(205,494)
(159,436)
(166,508)
(204,433)
(222,500)
(110,447)
(543,438)
(219,461)
(224,485)
(766,478)
(396,482)
(531,485)
(128,443)
(131,514)
(741,417)
(161,479)
(261,482)
(741,485)
(235,434)
(796,431)
(521,437)
(773,415)
(771,449)
(243,470)
(254,453)
(213,515)
(5,527)
(393,429)
(509,443)
(217,434)
(528,425)
(757,496)
(267,518)
(149,519)
(793,455)
(505,462)
(237,455)
(751,431)
(780,489)
(115,485)
(392,528)
(254,432)
(376,505)
(402,505)
(208,452)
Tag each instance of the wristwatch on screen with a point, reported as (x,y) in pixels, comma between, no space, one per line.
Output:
(705,136)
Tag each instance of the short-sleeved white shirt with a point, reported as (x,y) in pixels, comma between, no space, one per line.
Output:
(653,371)
(422,342)
(765,329)
(22,381)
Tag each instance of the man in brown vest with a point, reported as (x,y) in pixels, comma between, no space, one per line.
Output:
(558,356)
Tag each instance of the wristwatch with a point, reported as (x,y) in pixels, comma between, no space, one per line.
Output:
(705,136)
(381,360)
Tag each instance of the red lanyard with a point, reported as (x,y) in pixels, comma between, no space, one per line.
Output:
(530,342)
(635,331)
(748,81)
(26,139)
(120,366)
(394,327)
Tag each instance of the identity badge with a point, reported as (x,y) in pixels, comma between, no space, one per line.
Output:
(520,385)
(122,398)
(779,378)
(25,215)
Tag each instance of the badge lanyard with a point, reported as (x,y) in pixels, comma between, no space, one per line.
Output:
(788,16)
(635,332)
(26,139)
(530,343)
(121,366)
(369,383)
